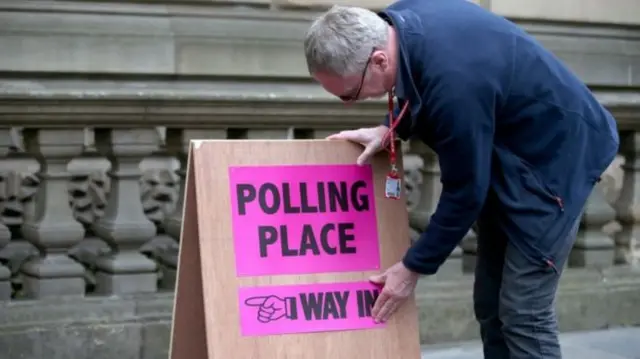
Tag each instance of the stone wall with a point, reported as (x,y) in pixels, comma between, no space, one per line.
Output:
(217,39)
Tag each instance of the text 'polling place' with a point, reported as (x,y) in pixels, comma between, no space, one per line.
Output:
(303,219)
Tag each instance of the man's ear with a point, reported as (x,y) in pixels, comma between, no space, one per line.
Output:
(380,59)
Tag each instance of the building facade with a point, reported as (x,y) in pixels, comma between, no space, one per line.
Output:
(99,100)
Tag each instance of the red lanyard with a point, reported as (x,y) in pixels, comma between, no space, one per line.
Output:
(393,185)
(393,123)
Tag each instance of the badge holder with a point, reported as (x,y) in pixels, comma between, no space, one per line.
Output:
(393,184)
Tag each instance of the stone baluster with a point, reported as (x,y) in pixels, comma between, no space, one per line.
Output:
(321,134)
(53,230)
(593,247)
(124,226)
(270,133)
(5,234)
(628,204)
(178,145)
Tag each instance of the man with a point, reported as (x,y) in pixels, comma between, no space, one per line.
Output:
(520,139)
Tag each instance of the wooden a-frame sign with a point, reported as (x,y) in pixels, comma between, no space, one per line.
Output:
(279,238)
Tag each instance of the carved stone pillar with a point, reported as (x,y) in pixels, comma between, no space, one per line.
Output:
(124,226)
(178,145)
(53,230)
(323,133)
(270,133)
(628,203)
(5,234)
(593,247)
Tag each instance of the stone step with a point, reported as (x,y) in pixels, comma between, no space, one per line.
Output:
(617,343)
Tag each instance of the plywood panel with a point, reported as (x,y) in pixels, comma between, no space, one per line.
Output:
(220,283)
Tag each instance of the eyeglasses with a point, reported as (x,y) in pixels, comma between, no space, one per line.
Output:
(349,98)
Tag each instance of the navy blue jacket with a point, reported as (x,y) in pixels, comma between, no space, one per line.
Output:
(504,115)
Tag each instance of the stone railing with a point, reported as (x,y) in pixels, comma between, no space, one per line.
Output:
(92,179)
(98,103)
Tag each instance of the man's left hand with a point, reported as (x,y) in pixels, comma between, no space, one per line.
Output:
(399,283)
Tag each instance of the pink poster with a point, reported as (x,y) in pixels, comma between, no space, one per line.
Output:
(307,308)
(303,219)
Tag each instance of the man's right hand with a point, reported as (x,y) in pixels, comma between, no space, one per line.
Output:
(371,138)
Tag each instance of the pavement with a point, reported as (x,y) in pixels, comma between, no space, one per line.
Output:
(619,343)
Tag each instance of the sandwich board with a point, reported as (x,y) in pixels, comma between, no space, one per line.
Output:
(279,238)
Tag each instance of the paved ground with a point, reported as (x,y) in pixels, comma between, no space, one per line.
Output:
(621,343)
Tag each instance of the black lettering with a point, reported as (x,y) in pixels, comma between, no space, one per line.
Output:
(330,307)
(322,306)
(304,200)
(332,197)
(311,305)
(338,196)
(245,193)
(284,241)
(293,308)
(324,238)
(360,202)
(286,199)
(369,299)
(365,301)
(309,242)
(322,202)
(342,299)
(267,235)
(262,198)
(344,237)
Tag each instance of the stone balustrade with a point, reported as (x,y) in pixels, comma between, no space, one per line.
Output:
(98,103)
(93,177)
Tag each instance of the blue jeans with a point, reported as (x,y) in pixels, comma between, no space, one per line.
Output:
(514,299)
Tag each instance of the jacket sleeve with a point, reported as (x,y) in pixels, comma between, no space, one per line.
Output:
(460,114)
(403,129)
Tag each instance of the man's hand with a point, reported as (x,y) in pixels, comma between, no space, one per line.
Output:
(399,284)
(371,138)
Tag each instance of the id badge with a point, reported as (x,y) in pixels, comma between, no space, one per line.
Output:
(392,188)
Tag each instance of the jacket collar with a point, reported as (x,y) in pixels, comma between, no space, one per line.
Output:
(405,23)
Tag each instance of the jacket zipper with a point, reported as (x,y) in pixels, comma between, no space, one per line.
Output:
(560,202)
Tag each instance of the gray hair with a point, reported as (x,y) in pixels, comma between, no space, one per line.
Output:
(341,40)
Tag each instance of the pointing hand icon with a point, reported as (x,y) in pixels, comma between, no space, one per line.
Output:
(272,308)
